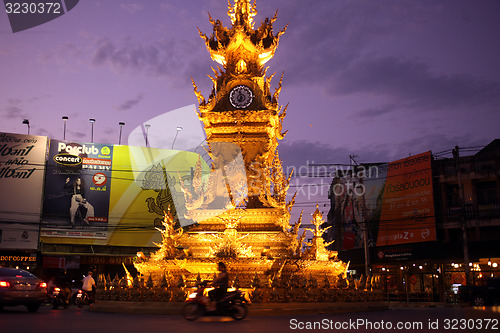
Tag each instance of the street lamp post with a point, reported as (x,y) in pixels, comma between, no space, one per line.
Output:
(27,122)
(178,129)
(120,137)
(147,126)
(92,121)
(64,118)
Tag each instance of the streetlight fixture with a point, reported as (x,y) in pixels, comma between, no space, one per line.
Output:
(92,121)
(121,123)
(27,122)
(178,129)
(64,118)
(147,126)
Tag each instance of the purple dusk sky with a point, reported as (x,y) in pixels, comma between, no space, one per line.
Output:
(380,79)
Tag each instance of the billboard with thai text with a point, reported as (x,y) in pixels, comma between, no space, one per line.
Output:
(407,214)
(22,167)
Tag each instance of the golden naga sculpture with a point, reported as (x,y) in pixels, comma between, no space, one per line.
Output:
(317,247)
(170,238)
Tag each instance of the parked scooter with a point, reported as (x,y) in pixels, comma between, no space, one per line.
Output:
(60,298)
(197,304)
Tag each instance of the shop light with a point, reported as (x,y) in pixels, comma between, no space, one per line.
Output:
(494,265)
(420,267)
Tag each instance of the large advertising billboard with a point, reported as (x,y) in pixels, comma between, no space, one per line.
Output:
(22,166)
(394,201)
(146,184)
(113,195)
(77,190)
(407,214)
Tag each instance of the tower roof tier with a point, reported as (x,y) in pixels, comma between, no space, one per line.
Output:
(241,49)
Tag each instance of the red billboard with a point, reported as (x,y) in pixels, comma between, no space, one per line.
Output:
(408,208)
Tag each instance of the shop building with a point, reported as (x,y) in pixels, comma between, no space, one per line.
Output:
(466,208)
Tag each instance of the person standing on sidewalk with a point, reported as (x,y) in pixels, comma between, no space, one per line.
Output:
(89,286)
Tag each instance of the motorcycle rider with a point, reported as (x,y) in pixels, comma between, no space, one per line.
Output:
(220,283)
(88,286)
(63,282)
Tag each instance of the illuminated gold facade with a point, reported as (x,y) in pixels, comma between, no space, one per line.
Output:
(241,209)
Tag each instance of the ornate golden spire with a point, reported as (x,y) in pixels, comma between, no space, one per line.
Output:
(242,49)
(242,13)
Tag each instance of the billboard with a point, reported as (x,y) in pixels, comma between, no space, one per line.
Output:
(146,184)
(407,214)
(112,195)
(77,190)
(348,211)
(393,200)
(22,167)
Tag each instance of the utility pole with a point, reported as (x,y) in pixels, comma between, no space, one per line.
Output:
(365,233)
(362,207)
(463,215)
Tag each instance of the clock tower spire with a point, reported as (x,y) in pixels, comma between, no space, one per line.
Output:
(241,108)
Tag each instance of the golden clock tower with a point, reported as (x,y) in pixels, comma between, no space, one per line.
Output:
(240,209)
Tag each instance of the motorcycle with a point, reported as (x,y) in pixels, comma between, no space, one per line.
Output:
(197,304)
(82,298)
(59,298)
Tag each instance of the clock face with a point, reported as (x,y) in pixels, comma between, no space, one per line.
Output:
(241,97)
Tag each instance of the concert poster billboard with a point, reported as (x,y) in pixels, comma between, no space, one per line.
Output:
(22,168)
(126,192)
(77,190)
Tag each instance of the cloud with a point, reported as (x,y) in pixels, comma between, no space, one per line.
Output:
(130,103)
(13,112)
(373,112)
(300,154)
(415,85)
(327,37)
(165,58)
(132,8)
